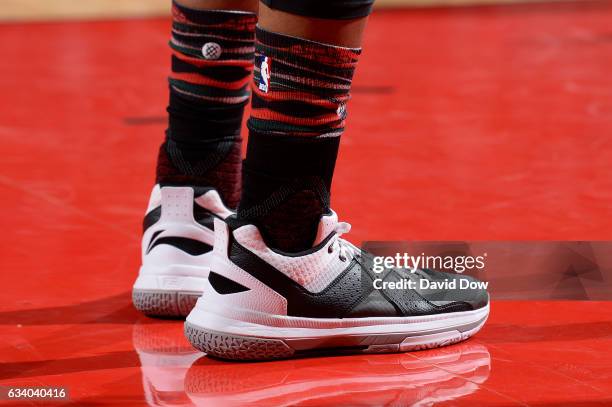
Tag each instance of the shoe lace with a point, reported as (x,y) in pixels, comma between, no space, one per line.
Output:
(345,248)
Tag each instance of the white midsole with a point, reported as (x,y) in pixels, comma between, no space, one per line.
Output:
(173,278)
(250,323)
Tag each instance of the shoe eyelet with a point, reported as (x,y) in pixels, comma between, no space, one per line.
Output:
(343,259)
(330,249)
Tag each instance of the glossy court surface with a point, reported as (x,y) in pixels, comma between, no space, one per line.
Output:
(476,123)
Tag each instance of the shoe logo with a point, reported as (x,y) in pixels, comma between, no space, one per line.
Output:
(265,71)
(224,285)
(190,246)
(151,218)
(341,111)
(211,50)
(170,282)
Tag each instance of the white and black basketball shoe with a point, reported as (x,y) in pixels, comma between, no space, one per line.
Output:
(177,242)
(259,303)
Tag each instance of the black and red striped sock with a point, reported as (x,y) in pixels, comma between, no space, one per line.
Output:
(300,91)
(212,62)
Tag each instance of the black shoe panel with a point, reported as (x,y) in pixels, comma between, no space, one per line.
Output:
(335,301)
(224,285)
(374,305)
(203,216)
(352,293)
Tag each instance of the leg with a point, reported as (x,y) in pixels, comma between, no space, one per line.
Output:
(283,282)
(341,32)
(198,170)
(212,46)
(297,119)
(230,5)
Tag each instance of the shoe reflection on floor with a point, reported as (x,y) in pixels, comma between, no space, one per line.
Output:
(173,373)
(165,356)
(421,378)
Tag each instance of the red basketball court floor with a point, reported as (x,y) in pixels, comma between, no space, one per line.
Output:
(476,123)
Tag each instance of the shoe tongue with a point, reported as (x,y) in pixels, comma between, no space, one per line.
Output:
(327,225)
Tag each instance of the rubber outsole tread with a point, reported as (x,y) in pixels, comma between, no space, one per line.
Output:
(226,346)
(165,304)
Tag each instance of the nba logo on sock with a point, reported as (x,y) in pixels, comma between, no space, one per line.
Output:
(264,69)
